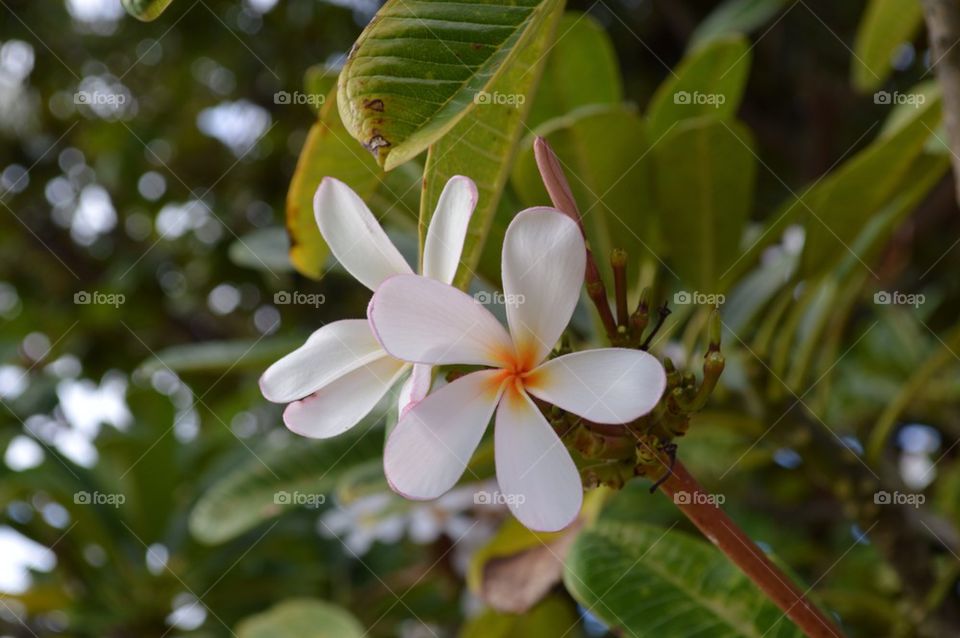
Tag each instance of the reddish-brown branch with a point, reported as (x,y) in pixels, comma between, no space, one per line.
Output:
(562,197)
(732,541)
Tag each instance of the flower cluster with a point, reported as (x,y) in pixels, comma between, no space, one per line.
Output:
(417,322)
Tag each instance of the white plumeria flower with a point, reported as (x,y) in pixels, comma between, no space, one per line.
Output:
(340,374)
(429,322)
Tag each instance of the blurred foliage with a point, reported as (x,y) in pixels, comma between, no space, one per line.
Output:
(147,174)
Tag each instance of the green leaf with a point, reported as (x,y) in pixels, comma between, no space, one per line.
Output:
(915,183)
(581,69)
(666,584)
(220,355)
(754,291)
(328,152)
(482,145)
(904,112)
(708,81)
(885,25)
(841,204)
(848,195)
(734,16)
(318,82)
(268,484)
(146,10)
(803,348)
(705,171)
(603,150)
(301,618)
(420,65)
(263,249)
(553,616)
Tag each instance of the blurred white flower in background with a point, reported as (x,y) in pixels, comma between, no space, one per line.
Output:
(385,517)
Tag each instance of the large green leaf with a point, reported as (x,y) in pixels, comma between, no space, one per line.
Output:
(665,584)
(603,150)
(705,171)
(708,81)
(804,350)
(482,145)
(734,16)
(849,194)
(885,25)
(842,203)
(328,152)
(301,618)
(581,69)
(269,483)
(421,65)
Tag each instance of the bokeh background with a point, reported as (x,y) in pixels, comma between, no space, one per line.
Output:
(120,238)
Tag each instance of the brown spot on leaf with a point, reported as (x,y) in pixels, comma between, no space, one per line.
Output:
(376,142)
(374,105)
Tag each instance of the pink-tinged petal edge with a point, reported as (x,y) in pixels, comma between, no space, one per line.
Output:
(428,451)
(606,385)
(533,463)
(415,388)
(543,265)
(342,404)
(448,229)
(422,320)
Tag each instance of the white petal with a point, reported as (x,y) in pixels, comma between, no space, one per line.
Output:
(414,388)
(340,405)
(609,385)
(544,259)
(429,449)
(538,479)
(354,236)
(426,321)
(331,352)
(448,228)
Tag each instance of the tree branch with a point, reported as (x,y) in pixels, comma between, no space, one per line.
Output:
(744,553)
(943,26)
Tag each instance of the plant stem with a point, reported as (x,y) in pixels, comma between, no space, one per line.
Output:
(618,262)
(943,25)
(744,553)
(562,197)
